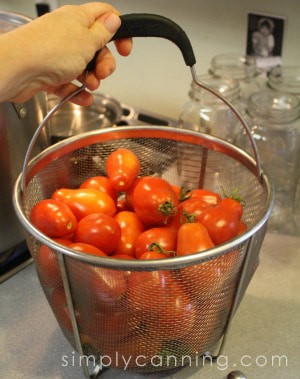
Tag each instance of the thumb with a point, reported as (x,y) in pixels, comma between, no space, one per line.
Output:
(105,27)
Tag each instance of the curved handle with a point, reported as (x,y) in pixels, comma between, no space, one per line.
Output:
(152,25)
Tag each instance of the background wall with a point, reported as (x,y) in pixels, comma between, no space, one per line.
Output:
(155,77)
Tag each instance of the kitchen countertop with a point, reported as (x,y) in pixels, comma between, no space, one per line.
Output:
(263,341)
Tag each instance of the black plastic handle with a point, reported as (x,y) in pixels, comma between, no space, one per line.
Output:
(152,25)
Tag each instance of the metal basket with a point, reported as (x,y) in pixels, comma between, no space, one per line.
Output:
(106,323)
(147,315)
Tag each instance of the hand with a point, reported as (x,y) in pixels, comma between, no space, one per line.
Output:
(50,52)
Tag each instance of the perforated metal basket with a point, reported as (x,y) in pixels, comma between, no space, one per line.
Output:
(106,320)
(147,315)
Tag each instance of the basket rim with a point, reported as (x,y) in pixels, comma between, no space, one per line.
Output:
(157,264)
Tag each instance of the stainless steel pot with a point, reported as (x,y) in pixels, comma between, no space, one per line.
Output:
(17,125)
(72,119)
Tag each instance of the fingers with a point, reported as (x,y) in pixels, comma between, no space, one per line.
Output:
(84,98)
(124,46)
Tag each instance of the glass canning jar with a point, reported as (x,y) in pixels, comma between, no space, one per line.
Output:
(273,117)
(285,78)
(240,67)
(206,113)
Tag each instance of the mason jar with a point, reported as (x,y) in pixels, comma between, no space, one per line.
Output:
(274,118)
(239,67)
(285,78)
(206,113)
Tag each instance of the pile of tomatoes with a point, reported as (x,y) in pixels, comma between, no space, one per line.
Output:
(124,215)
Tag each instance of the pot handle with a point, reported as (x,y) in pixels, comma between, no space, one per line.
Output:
(152,25)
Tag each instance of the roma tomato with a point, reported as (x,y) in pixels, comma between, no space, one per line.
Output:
(109,326)
(154,201)
(210,197)
(95,288)
(122,167)
(242,227)
(168,311)
(86,201)
(164,237)
(192,238)
(131,227)
(87,248)
(48,267)
(101,183)
(147,255)
(221,223)
(60,308)
(54,218)
(100,230)
(129,194)
(189,211)
(234,206)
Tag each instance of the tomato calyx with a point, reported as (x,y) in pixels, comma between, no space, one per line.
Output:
(185,194)
(187,217)
(234,195)
(154,246)
(168,209)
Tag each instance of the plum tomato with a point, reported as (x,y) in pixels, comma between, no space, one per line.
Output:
(164,237)
(101,183)
(210,197)
(189,211)
(221,223)
(131,227)
(122,167)
(85,201)
(53,217)
(192,238)
(154,201)
(60,308)
(233,206)
(100,230)
(166,307)
(87,248)
(48,267)
(147,255)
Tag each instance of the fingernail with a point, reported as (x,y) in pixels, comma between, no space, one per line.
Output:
(112,22)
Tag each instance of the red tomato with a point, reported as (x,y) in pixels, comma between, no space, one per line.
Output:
(60,308)
(100,230)
(168,311)
(147,255)
(48,267)
(86,201)
(131,227)
(177,190)
(87,248)
(106,325)
(189,211)
(193,238)
(63,241)
(234,206)
(210,197)
(204,279)
(221,223)
(121,256)
(242,227)
(101,183)
(54,218)
(122,167)
(95,288)
(154,201)
(163,236)
(129,194)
